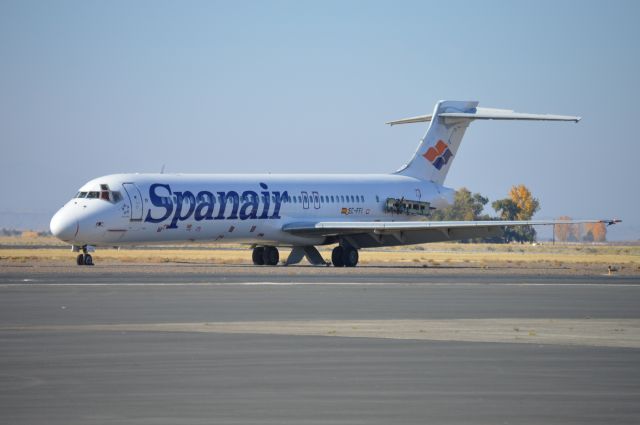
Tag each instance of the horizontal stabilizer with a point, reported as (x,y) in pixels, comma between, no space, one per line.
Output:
(488,114)
(420,118)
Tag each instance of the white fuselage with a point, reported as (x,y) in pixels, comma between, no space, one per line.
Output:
(125,209)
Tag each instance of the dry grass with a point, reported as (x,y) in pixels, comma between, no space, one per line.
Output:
(243,256)
(16,249)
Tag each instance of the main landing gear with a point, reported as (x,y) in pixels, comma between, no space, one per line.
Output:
(344,256)
(265,255)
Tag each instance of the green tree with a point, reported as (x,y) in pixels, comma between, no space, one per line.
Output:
(506,208)
(466,206)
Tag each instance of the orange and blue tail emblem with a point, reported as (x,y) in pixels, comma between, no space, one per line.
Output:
(438,155)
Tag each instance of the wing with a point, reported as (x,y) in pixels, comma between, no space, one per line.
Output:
(367,234)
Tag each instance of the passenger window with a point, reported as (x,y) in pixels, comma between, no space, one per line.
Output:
(362,198)
(332,198)
(300,199)
(322,198)
(341,198)
(352,199)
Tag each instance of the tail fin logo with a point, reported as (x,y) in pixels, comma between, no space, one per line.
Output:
(438,155)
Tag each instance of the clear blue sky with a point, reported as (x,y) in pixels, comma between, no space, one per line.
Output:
(92,88)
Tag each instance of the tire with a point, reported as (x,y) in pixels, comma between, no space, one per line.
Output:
(258,256)
(80,260)
(337,257)
(350,256)
(271,255)
(88,260)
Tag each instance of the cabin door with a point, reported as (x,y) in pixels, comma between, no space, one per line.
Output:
(135,200)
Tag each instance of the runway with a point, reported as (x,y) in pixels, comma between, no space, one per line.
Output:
(168,348)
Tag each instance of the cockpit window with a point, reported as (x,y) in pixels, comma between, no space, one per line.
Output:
(116,197)
(106,195)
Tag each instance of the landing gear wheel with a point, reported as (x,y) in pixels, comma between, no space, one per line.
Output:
(271,255)
(350,256)
(337,256)
(88,260)
(80,259)
(258,256)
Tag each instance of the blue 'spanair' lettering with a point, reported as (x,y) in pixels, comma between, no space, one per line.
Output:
(183,198)
(250,207)
(206,201)
(159,201)
(182,206)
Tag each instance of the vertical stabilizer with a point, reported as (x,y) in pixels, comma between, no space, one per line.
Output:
(440,144)
(449,121)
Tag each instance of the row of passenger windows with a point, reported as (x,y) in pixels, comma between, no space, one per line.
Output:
(325,198)
(299,199)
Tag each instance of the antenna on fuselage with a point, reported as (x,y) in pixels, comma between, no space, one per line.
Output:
(162,169)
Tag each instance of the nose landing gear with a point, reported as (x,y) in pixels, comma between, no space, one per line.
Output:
(84,259)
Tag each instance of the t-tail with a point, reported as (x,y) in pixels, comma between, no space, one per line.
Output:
(448,123)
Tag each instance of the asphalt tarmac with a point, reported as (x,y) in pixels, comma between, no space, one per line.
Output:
(163,348)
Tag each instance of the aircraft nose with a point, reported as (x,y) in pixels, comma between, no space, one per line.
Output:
(63,226)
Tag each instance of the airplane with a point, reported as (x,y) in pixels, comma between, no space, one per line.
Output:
(297,211)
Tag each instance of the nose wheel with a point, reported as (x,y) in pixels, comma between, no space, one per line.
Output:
(84,260)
